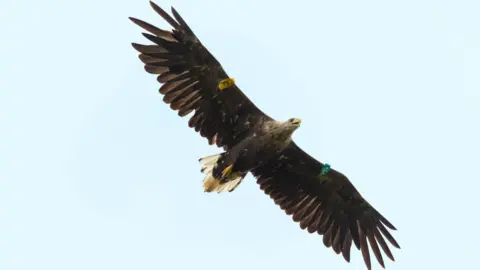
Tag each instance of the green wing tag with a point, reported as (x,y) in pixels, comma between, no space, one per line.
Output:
(325,169)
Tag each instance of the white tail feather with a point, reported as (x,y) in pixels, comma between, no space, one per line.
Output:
(210,183)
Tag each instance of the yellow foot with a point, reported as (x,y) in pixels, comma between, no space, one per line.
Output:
(226,83)
(227,170)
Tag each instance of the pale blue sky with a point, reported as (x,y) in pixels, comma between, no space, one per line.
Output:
(97,173)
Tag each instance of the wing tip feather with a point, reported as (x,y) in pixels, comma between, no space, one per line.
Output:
(164,15)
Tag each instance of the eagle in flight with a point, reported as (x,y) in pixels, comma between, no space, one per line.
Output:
(322,200)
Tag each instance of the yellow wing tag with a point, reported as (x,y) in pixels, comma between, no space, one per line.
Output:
(226,83)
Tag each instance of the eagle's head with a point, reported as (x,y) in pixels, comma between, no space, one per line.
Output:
(291,125)
(283,130)
(294,122)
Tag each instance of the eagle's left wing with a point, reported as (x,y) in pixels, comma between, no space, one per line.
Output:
(194,81)
(323,200)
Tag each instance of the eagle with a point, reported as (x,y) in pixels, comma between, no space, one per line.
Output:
(319,198)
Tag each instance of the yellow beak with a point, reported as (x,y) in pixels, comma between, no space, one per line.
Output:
(297,121)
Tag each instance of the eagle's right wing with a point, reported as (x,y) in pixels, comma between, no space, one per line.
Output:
(325,202)
(193,80)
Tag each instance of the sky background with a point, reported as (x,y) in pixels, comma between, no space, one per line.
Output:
(97,173)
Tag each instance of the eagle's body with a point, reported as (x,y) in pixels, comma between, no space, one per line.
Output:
(320,199)
(226,170)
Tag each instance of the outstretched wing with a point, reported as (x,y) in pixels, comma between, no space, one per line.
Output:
(325,202)
(191,77)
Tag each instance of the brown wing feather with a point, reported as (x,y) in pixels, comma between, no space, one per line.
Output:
(190,75)
(329,206)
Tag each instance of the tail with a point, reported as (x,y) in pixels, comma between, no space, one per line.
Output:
(212,184)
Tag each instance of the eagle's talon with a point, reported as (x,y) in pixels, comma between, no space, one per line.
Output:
(227,170)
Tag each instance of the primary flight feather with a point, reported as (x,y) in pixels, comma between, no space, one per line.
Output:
(319,198)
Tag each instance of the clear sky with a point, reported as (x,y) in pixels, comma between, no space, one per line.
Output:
(97,173)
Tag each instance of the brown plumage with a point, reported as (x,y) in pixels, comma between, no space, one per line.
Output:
(320,199)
